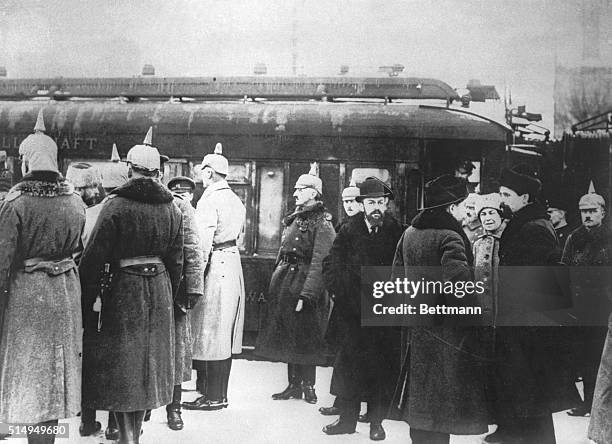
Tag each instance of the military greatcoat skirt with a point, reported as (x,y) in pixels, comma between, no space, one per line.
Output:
(217,320)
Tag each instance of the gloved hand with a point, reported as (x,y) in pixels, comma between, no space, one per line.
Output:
(192,300)
(300,305)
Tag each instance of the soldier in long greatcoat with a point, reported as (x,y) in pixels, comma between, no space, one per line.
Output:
(41,221)
(297,305)
(588,251)
(217,321)
(189,293)
(129,365)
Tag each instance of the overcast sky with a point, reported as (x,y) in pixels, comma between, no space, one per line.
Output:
(505,43)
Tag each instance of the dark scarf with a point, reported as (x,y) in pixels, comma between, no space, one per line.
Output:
(312,212)
(528,213)
(144,189)
(440,219)
(43,184)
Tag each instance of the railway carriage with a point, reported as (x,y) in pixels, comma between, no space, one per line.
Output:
(404,131)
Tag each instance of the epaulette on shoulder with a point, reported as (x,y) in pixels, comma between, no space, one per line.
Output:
(328,216)
(12,195)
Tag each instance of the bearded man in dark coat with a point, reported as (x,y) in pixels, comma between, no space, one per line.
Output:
(531,370)
(441,390)
(129,365)
(368,360)
(298,307)
(41,221)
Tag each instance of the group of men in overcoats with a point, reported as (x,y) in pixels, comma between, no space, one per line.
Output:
(105,327)
(443,377)
(149,259)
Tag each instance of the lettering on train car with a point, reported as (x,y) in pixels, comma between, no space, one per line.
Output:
(64,143)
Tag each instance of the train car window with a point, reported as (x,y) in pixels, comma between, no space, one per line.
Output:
(244,193)
(239,173)
(270,210)
(358,175)
(174,168)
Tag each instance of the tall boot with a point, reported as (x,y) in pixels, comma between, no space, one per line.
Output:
(112,431)
(138,418)
(308,377)
(89,425)
(125,423)
(293,390)
(173,410)
(43,439)
(227,368)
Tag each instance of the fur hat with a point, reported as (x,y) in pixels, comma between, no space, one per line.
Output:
(83,175)
(310,180)
(521,179)
(492,200)
(217,161)
(444,190)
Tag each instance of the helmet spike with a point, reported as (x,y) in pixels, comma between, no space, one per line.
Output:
(148,140)
(314,169)
(591,188)
(115,154)
(40,122)
(218,148)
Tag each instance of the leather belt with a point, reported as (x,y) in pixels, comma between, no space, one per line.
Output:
(293,259)
(139,260)
(224,245)
(33,261)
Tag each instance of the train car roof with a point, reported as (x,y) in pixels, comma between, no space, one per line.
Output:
(229,87)
(256,119)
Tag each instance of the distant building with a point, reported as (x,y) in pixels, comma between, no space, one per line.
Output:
(584,88)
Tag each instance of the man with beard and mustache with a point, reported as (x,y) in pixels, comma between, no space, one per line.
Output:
(368,361)
(86,180)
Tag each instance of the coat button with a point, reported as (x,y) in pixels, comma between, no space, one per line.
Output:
(297,238)
(146,269)
(292,268)
(294,248)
